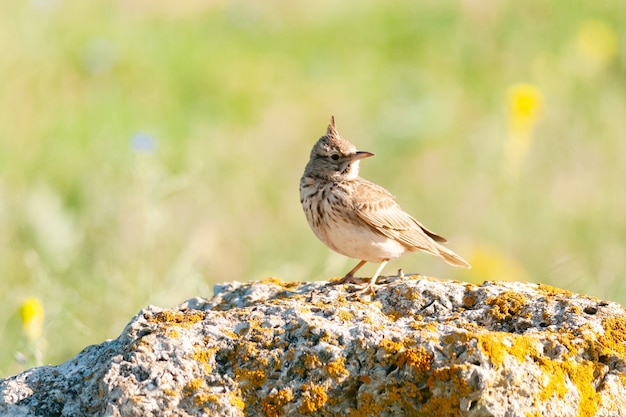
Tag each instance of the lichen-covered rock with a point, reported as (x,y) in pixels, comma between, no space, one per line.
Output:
(419,347)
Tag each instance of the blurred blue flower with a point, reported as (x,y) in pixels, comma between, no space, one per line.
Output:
(142,142)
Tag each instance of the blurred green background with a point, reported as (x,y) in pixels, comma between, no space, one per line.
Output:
(149,149)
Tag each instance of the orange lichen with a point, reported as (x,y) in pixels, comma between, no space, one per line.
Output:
(447,386)
(417,358)
(178,318)
(313,397)
(272,404)
(469,300)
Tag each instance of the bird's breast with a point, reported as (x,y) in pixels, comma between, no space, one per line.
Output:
(334,221)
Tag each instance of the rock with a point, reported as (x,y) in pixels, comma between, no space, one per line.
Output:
(419,347)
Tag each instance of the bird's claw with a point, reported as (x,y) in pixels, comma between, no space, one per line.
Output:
(348,279)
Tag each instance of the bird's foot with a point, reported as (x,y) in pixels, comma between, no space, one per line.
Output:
(363,286)
(370,288)
(348,279)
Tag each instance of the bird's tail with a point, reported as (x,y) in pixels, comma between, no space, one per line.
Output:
(451,257)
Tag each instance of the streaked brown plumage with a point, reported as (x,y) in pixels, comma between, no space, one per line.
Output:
(356,217)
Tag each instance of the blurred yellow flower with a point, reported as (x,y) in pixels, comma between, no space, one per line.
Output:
(489,264)
(525,102)
(32,315)
(597,41)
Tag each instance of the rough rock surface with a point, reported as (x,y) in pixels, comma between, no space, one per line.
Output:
(419,347)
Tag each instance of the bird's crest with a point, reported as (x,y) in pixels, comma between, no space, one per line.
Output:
(332,130)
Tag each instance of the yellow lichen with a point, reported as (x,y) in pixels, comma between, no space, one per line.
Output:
(204,356)
(313,397)
(395,314)
(581,373)
(506,305)
(552,291)
(192,386)
(252,378)
(614,338)
(325,336)
(280,283)
(345,315)
(368,406)
(390,346)
(337,368)
(229,333)
(575,310)
(247,351)
(412,294)
(311,361)
(237,401)
(202,399)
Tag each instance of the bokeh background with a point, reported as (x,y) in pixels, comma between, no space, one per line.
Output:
(152,148)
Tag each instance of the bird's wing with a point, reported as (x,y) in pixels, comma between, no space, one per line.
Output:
(378,208)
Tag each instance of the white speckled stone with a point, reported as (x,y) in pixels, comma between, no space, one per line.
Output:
(419,347)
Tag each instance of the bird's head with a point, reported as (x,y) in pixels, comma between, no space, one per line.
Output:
(334,158)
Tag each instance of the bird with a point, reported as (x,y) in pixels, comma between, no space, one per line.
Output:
(357,218)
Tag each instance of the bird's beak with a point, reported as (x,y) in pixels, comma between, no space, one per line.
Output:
(360,155)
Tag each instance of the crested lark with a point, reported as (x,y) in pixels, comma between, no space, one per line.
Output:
(357,218)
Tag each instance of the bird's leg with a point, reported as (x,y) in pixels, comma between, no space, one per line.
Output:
(349,278)
(371,286)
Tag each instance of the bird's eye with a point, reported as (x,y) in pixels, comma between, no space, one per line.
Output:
(334,157)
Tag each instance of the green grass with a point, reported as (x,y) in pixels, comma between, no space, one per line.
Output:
(233,96)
